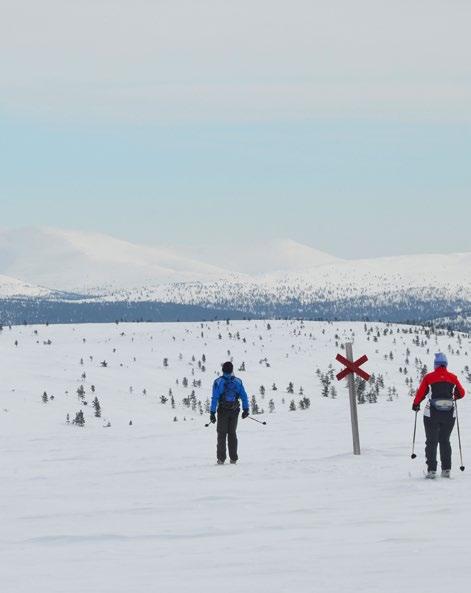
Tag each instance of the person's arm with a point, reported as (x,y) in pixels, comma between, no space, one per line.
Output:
(421,392)
(460,391)
(243,397)
(215,397)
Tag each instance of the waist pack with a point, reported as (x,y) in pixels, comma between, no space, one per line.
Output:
(442,405)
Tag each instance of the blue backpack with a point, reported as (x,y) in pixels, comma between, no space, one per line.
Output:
(229,399)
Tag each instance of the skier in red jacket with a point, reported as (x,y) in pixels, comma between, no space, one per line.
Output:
(441,388)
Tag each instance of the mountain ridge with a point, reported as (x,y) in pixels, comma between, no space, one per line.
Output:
(93,263)
(15,288)
(92,268)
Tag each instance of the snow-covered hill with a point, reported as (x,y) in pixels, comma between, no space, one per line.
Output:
(92,263)
(460,321)
(382,281)
(382,275)
(13,288)
(114,507)
(302,283)
(264,257)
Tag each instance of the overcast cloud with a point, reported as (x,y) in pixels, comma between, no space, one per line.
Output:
(217,125)
(180,60)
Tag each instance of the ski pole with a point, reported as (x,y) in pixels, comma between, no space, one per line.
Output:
(255,420)
(462,468)
(413,456)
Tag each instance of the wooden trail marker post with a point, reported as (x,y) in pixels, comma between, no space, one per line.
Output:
(352,369)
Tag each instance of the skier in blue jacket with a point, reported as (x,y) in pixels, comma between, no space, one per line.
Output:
(227,390)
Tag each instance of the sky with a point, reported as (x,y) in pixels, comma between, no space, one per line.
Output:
(213,125)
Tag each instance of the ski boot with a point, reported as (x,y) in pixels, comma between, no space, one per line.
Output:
(446,473)
(431,475)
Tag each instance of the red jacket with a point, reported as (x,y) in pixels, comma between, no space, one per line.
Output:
(442,384)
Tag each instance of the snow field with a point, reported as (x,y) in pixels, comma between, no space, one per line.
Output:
(144,507)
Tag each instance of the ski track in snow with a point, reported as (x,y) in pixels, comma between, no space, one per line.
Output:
(145,508)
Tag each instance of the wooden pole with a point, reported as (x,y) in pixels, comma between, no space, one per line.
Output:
(353,403)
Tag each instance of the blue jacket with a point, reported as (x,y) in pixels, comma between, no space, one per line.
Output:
(219,388)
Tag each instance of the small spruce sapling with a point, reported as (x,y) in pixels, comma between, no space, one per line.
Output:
(79,419)
(97,407)
(254,406)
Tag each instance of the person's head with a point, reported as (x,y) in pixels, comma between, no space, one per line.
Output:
(228,368)
(440,360)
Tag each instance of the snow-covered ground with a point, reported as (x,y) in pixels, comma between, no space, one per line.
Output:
(143,507)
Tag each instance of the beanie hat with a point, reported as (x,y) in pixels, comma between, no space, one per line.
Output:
(440,360)
(228,368)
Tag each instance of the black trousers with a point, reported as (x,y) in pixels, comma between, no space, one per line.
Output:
(226,428)
(438,429)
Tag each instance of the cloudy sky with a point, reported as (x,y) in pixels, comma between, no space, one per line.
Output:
(212,124)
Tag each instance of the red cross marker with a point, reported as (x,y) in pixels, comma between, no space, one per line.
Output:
(352,367)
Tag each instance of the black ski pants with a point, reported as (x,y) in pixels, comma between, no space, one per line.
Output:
(226,428)
(438,429)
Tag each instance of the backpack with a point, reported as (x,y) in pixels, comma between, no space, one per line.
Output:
(229,399)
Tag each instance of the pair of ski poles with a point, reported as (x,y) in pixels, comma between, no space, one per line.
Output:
(413,456)
(250,417)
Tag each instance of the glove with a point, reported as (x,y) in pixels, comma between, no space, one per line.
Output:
(416,407)
(212,418)
(245,413)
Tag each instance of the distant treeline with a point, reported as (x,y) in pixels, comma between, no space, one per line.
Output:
(40,311)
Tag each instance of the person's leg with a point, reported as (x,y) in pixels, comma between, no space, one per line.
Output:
(232,435)
(432,430)
(222,430)
(446,428)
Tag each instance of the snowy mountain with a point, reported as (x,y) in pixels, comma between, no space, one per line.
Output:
(13,288)
(395,282)
(129,280)
(388,274)
(92,263)
(263,257)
